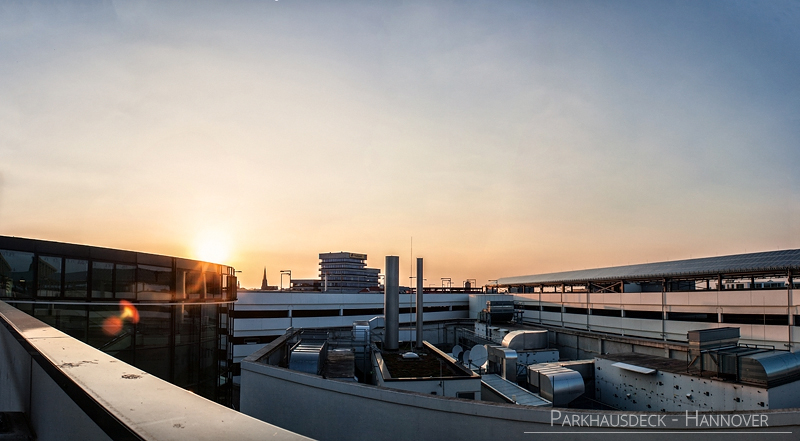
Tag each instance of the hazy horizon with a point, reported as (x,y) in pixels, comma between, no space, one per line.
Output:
(506,138)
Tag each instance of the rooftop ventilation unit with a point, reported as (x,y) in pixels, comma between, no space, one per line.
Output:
(703,339)
(555,383)
(308,357)
(703,343)
(340,364)
(498,311)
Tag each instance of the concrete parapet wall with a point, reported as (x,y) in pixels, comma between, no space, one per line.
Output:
(336,411)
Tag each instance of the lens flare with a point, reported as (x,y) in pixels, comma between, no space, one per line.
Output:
(128,311)
(112,325)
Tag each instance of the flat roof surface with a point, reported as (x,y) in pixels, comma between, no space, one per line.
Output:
(777,261)
(428,365)
(655,362)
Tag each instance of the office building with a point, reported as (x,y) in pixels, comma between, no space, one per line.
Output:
(165,315)
(345,271)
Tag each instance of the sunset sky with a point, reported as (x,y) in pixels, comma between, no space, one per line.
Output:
(507,138)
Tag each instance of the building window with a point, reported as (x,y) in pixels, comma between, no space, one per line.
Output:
(76,278)
(195,285)
(114,337)
(154,283)
(49,277)
(153,339)
(213,285)
(70,319)
(102,280)
(125,281)
(16,274)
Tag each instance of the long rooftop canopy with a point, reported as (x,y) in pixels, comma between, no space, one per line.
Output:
(765,262)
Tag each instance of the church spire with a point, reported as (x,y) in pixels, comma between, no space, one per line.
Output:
(264,284)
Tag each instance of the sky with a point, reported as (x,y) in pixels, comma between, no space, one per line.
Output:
(491,138)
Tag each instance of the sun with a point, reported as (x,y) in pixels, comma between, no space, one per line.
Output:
(212,249)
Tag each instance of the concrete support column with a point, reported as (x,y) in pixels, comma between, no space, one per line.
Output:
(539,310)
(664,309)
(391,303)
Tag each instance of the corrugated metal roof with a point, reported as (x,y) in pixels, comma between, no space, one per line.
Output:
(740,263)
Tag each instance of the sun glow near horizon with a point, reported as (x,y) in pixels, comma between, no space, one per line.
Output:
(213,248)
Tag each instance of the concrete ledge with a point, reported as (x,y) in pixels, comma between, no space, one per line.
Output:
(68,387)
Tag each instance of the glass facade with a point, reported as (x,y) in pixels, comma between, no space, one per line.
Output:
(16,274)
(49,276)
(167,316)
(102,280)
(76,277)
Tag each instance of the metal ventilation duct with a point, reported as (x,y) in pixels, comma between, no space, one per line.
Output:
(503,360)
(376,322)
(308,357)
(726,361)
(770,369)
(361,333)
(556,383)
(526,340)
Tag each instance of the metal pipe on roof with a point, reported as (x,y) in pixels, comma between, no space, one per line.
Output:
(391,303)
(790,299)
(419,302)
